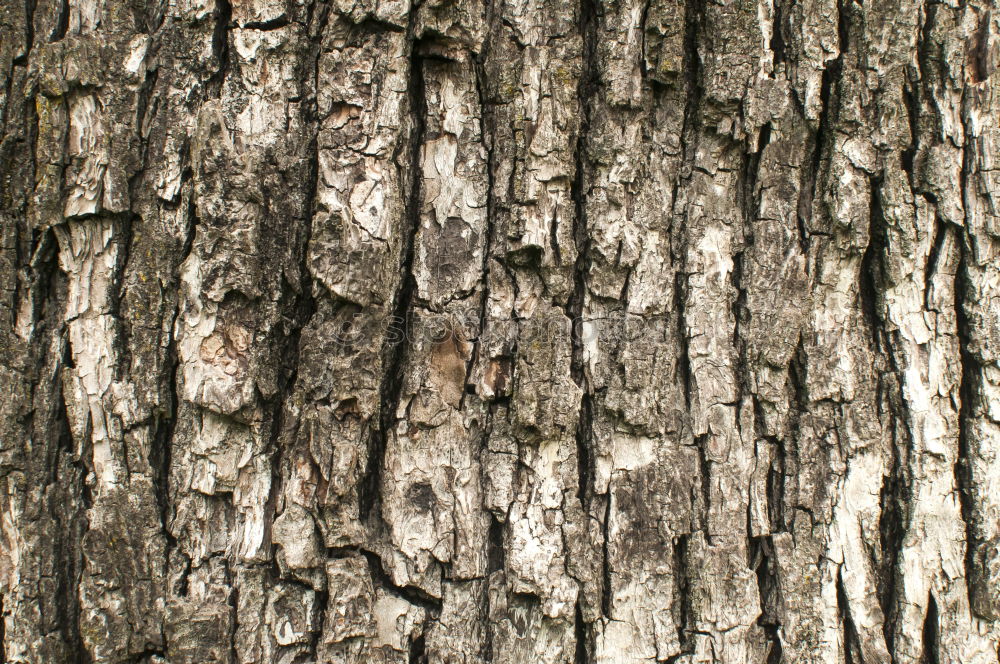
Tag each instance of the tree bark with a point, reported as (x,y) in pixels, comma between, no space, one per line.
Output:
(514,331)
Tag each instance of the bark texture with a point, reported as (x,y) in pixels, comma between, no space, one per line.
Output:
(514,331)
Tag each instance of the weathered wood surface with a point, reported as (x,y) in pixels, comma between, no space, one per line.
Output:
(514,331)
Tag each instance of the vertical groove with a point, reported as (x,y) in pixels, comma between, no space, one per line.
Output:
(3,629)
(968,390)
(580,631)
(693,10)
(485,130)
(394,350)
(578,191)
(767,590)
(931,633)
(852,642)
(682,602)
(220,46)
(898,486)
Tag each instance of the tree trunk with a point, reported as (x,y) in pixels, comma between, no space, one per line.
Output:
(460,331)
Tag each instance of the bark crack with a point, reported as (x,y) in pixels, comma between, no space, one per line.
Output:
(968,391)
(579,190)
(395,348)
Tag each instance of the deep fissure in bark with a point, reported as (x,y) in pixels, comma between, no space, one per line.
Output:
(979,57)
(931,633)
(852,642)
(70,527)
(968,389)
(580,655)
(394,352)
(892,522)
(381,579)
(760,551)
(220,46)
(871,276)
(606,585)
(418,651)
(682,604)
(587,89)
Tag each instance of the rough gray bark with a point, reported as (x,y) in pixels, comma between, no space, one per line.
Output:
(499,331)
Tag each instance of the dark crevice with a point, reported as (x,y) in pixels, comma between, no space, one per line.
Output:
(767,588)
(302,308)
(29,32)
(182,588)
(871,278)
(584,440)
(705,477)
(784,512)
(486,129)
(933,258)
(643,22)
(606,589)
(66,496)
(581,655)
(852,641)
(3,630)
(143,97)
(897,489)
(681,604)
(777,43)
(165,418)
(829,98)
(800,224)
(496,555)
(495,563)
(321,599)
(752,169)
(487,120)
(683,360)
(7,142)
(553,237)
(62,24)
(808,174)
(146,655)
(893,518)
(412,594)
(160,454)
(372,25)
(69,526)
(931,633)
(693,15)
(776,488)
(977,584)
(911,103)
(741,316)
(124,237)
(418,651)
(63,436)
(897,486)
(748,198)
(271,24)
(394,350)
(220,45)
(579,188)
(979,63)
(823,136)
(234,610)
(843,26)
